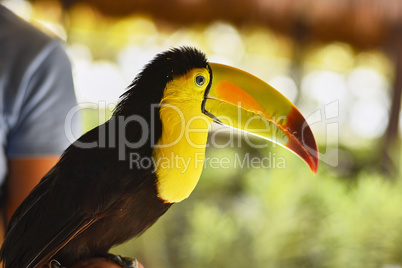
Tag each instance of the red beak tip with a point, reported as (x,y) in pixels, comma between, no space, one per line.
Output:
(314,169)
(313,163)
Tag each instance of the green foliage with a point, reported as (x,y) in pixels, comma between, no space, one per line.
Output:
(281,216)
(278,217)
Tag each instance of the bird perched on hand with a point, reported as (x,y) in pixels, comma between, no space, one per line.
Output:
(116,180)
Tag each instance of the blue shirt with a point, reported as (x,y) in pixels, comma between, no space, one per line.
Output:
(36,92)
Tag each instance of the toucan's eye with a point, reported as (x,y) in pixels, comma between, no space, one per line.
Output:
(200,80)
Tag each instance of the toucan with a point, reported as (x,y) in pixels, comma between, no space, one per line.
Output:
(116,180)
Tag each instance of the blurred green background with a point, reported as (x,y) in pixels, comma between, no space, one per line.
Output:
(340,62)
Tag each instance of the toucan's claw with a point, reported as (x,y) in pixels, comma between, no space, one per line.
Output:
(124,262)
(55,264)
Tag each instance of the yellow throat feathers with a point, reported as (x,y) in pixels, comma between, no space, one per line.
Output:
(179,153)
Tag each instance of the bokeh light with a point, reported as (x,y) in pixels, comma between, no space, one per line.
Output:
(348,215)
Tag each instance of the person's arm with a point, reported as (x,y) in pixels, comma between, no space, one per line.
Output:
(23,175)
(37,137)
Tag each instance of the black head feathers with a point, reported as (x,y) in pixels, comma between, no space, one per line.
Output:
(148,86)
(175,62)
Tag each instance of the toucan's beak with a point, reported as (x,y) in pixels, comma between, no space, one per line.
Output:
(242,101)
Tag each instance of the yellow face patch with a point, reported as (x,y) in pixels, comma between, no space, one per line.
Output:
(179,153)
(188,88)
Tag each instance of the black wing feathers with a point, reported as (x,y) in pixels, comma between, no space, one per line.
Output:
(65,201)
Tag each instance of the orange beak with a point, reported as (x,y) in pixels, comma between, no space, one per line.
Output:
(242,101)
